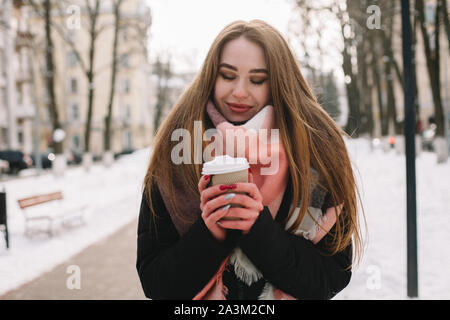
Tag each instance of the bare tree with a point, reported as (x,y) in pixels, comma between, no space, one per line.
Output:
(44,10)
(163,72)
(387,34)
(92,9)
(338,9)
(432,55)
(353,96)
(117,20)
(444,9)
(93,12)
(139,35)
(365,89)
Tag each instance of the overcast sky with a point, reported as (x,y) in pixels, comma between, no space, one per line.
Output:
(186,28)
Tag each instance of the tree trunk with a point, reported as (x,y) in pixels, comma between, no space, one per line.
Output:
(444,11)
(364,88)
(50,77)
(164,72)
(354,119)
(433,65)
(376,76)
(90,75)
(389,77)
(113,76)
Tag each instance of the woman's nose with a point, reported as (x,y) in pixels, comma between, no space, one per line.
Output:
(240,90)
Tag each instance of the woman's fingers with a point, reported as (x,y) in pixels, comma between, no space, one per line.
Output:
(250,188)
(219,213)
(232,198)
(203,183)
(242,213)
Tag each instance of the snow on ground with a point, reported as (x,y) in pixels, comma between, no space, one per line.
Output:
(382,180)
(114,195)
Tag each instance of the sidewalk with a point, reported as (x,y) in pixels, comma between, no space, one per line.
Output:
(107,270)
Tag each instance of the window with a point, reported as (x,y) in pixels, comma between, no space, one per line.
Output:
(127,140)
(125,35)
(20,136)
(73,85)
(127,112)
(126,86)
(125,60)
(76,142)
(71,59)
(75,112)
(71,35)
(3,137)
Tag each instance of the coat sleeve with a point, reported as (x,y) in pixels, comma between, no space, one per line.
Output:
(294,264)
(170,266)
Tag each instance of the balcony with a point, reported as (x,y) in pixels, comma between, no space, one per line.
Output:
(22,76)
(25,111)
(23,39)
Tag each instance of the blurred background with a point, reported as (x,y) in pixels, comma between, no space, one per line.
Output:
(85,84)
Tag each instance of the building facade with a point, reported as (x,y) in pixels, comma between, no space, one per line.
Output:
(131,118)
(17,105)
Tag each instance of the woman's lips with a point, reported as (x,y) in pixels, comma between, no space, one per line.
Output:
(240,108)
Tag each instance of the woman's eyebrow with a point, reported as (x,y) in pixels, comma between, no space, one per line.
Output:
(259,71)
(229,66)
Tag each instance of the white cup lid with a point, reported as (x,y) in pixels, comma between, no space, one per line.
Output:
(225,164)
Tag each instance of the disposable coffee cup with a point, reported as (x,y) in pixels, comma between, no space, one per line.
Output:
(227,170)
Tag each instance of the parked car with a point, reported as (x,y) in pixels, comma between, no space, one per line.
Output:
(47,159)
(124,152)
(17,160)
(4,166)
(74,157)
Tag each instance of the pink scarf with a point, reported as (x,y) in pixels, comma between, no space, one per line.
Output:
(271,186)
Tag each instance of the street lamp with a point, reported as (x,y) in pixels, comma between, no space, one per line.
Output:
(409,127)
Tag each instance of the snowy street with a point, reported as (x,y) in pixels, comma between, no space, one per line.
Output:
(382,177)
(114,197)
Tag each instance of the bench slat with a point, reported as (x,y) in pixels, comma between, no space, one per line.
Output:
(35,200)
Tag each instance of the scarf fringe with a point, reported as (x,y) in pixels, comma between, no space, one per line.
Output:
(244,269)
(267,292)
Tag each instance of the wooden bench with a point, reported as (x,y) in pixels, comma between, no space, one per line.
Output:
(50,213)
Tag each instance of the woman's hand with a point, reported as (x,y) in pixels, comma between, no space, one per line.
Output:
(209,213)
(214,204)
(251,207)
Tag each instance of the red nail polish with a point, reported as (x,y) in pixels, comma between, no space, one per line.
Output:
(223,187)
(206,177)
(233,186)
(250,170)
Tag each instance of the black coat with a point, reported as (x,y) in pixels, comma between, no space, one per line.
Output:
(174,267)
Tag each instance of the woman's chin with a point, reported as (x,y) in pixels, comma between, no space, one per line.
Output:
(237,120)
(238,123)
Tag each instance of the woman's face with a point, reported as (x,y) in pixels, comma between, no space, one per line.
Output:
(242,86)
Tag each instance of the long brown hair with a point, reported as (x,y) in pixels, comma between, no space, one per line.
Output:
(310,136)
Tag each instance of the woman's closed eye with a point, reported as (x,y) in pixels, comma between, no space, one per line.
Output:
(227,77)
(258,81)
(254,81)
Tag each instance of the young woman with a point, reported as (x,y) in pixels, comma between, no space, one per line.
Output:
(299,229)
